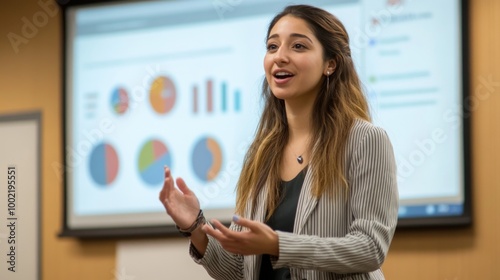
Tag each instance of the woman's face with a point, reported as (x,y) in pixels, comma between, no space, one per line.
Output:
(294,63)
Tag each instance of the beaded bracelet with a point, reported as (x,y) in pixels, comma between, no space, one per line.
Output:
(200,219)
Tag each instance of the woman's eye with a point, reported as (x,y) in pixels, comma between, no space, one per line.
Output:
(271,47)
(299,46)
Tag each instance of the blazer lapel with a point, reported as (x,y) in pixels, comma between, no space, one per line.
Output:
(252,262)
(307,203)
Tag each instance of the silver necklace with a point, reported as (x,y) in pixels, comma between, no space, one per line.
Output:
(300,160)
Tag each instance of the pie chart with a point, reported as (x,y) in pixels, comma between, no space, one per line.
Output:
(153,156)
(162,95)
(103,164)
(119,100)
(206,159)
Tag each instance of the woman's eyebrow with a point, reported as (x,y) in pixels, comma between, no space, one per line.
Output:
(291,35)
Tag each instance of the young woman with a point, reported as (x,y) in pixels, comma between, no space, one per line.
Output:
(317,196)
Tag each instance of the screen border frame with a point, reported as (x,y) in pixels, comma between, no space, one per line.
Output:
(465,219)
(169,230)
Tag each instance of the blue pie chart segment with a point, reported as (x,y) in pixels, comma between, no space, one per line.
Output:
(119,101)
(206,159)
(103,164)
(154,155)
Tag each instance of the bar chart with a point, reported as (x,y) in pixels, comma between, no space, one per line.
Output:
(215,97)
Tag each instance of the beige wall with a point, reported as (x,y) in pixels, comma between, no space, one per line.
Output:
(31,80)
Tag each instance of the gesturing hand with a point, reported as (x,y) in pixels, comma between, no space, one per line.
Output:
(181,203)
(257,238)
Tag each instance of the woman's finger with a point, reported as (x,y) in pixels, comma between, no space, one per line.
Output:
(163,192)
(213,232)
(168,186)
(251,225)
(225,230)
(183,187)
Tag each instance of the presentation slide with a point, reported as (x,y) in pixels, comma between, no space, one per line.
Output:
(178,83)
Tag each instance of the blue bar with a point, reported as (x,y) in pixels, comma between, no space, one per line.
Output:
(237,104)
(224,97)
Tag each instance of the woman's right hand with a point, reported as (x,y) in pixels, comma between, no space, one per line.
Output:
(181,203)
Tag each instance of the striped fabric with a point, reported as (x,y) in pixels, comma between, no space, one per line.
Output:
(346,237)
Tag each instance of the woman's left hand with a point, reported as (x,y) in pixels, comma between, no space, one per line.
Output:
(258,239)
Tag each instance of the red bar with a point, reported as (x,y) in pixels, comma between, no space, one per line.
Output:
(195,99)
(209,96)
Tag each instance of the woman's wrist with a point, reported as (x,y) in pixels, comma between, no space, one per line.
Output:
(198,231)
(275,247)
(198,222)
(199,240)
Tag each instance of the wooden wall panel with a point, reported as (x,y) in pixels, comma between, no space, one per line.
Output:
(30,80)
(467,253)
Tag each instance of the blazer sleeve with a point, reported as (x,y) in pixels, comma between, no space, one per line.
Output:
(373,200)
(219,263)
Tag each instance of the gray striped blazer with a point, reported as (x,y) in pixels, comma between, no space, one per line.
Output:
(346,237)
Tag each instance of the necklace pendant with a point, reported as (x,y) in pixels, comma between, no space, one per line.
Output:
(300,160)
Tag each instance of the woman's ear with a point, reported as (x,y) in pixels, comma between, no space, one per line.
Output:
(330,67)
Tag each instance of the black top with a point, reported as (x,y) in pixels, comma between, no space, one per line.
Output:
(282,219)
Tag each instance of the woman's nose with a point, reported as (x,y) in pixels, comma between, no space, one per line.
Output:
(281,56)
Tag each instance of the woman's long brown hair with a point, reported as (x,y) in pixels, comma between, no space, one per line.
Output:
(335,109)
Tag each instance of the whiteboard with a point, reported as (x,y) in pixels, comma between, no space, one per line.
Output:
(20,207)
